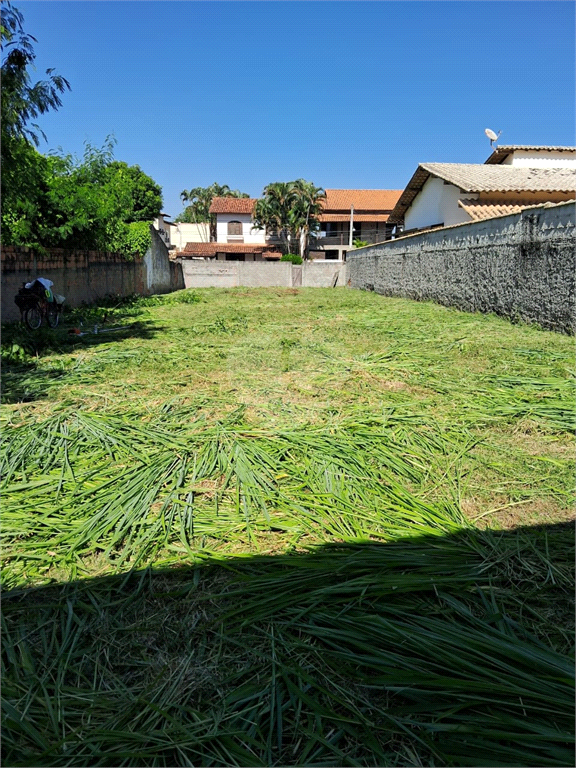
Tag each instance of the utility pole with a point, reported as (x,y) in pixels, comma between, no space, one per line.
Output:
(351,225)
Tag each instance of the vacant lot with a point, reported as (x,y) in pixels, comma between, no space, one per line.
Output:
(280,527)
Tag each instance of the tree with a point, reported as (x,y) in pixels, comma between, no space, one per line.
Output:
(200,200)
(23,101)
(291,209)
(23,169)
(58,200)
(305,213)
(273,211)
(145,195)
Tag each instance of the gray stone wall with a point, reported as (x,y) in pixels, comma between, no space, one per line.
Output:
(520,266)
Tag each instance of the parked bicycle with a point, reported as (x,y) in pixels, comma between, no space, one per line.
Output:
(37,303)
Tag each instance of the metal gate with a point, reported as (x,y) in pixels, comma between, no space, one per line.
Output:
(296,276)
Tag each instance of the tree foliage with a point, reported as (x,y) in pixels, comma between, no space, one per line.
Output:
(291,210)
(60,200)
(199,200)
(22,100)
(145,195)
(91,203)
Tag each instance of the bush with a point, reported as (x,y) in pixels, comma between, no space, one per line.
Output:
(293,257)
(132,239)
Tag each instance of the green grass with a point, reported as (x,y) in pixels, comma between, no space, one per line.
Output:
(277,527)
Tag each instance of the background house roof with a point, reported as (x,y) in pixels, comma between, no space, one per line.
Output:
(486,178)
(357,216)
(232,205)
(478,210)
(501,153)
(211,249)
(362,199)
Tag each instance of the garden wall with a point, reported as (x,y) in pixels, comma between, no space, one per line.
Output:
(85,276)
(252,274)
(521,266)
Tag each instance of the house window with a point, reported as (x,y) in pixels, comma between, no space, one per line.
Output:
(235,257)
(330,254)
(235,228)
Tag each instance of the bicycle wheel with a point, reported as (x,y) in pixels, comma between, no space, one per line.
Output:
(33,317)
(52,315)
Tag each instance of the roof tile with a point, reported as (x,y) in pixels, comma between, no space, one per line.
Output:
(362,199)
(486,178)
(232,205)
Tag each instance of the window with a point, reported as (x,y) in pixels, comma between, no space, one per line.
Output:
(330,254)
(235,257)
(235,228)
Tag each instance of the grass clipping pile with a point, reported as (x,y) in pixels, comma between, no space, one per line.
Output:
(392,633)
(293,583)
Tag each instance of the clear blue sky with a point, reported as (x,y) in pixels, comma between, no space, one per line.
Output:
(344,94)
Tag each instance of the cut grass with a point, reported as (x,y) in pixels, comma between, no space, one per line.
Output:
(246,532)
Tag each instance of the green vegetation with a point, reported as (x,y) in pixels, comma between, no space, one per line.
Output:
(280,527)
(291,209)
(58,200)
(199,200)
(292,257)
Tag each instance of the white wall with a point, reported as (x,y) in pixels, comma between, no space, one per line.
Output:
(436,203)
(250,235)
(183,233)
(527,159)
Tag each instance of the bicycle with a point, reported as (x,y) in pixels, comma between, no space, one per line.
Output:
(35,308)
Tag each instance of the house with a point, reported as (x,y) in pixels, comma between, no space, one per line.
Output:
(352,214)
(182,232)
(347,215)
(236,238)
(511,179)
(163,227)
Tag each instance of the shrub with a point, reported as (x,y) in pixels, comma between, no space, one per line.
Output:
(293,257)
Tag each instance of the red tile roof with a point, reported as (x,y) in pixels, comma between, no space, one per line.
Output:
(232,205)
(211,249)
(375,217)
(365,200)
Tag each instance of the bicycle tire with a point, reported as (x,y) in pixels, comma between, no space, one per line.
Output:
(33,318)
(52,315)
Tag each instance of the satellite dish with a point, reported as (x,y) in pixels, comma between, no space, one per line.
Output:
(491,135)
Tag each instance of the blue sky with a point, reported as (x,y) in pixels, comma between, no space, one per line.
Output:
(343,94)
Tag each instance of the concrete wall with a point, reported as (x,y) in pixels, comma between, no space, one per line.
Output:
(85,276)
(519,266)
(231,274)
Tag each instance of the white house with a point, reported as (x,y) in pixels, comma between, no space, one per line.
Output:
(163,227)
(236,237)
(347,214)
(182,232)
(513,178)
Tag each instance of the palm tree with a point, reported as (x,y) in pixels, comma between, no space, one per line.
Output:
(200,200)
(305,213)
(272,211)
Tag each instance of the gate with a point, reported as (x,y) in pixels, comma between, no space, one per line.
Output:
(296,276)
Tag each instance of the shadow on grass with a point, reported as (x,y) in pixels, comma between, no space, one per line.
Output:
(437,651)
(23,377)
